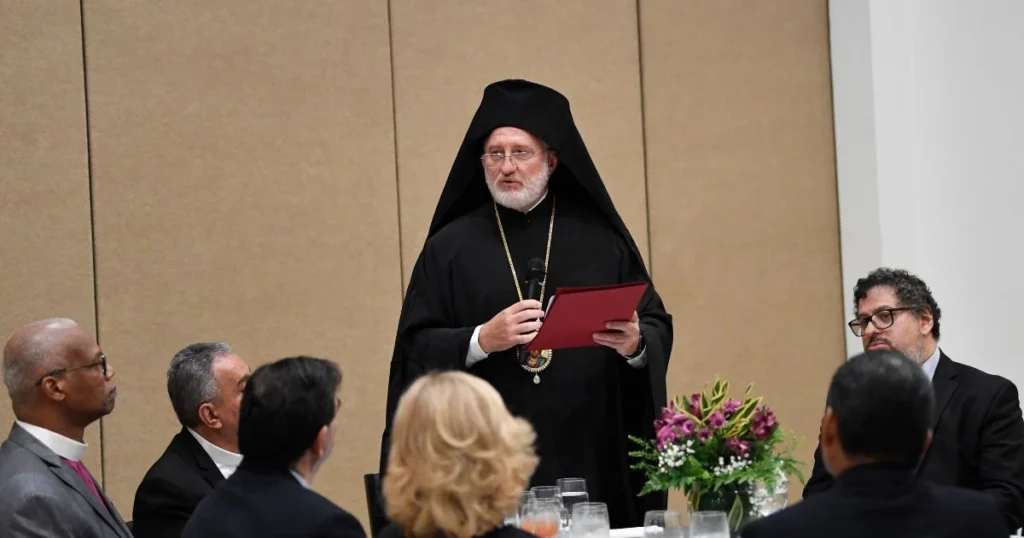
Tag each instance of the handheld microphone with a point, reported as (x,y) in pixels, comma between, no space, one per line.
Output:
(535,274)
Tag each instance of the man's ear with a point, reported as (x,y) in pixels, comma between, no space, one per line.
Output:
(208,416)
(54,389)
(829,429)
(552,160)
(927,321)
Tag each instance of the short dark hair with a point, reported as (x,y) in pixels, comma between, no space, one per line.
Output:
(284,406)
(883,406)
(190,380)
(909,290)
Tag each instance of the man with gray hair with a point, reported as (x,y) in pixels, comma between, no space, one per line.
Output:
(59,383)
(205,383)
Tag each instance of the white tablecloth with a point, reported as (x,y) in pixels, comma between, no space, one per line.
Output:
(638,532)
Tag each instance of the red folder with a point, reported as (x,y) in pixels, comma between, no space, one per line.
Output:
(575,314)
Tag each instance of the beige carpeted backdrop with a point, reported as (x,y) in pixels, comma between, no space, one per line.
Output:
(264,173)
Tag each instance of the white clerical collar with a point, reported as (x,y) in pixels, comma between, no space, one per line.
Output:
(542,197)
(932,363)
(225,460)
(64,447)
(299,477)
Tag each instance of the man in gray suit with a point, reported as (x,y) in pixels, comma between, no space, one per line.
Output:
(59,382)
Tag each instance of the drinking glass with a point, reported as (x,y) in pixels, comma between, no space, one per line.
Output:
(552,492)
(590,520)
(709,525)
(542,517)
(573,490)
(514,517)
(663,524)
(547,492)
(781,497)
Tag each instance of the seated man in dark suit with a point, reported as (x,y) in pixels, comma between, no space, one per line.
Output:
(286,431)
(979,433)
(205,383)
(60,383)
(873,434)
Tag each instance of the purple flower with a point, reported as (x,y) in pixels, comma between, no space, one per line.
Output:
(730,408)
(716,420)
(740,448)
(666,435)
(763,424)
(703,435)
(695,405)
(687,427)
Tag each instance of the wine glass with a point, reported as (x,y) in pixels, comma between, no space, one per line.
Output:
(542,517)
(709,525)
(663,524)
(590,520)
(573,491)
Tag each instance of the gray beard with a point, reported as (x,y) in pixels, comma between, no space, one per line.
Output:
(525,198)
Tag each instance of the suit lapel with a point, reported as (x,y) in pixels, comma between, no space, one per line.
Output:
(944,384)
(191,450)
(71,478)
(67,475)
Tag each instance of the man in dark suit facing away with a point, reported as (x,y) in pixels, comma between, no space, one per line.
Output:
(978,431)
(204,382)
(873,434)
(286,431)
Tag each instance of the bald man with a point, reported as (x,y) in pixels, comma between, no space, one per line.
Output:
(59,383)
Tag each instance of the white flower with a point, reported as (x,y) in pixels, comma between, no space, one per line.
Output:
(735,464)
(674,455)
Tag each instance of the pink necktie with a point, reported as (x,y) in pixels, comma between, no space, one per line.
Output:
(79,468)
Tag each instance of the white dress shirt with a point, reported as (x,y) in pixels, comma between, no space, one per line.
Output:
(930,364)
(64,447)
(299,477)
(225,460)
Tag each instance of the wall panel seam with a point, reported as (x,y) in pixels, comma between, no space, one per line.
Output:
(643,140)
(92,214)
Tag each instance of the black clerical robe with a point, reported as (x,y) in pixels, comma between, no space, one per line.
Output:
(589,399)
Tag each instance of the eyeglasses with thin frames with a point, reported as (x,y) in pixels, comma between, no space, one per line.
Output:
(497,158)
(102,362)
(883,319)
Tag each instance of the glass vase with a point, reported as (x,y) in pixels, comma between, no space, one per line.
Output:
(735,501)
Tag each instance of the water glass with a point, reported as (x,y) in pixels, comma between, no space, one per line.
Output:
(542,518)
(590,520)
(514,517)
(573,491)
(709,525)
(552,492)
(663,524)
(547,492)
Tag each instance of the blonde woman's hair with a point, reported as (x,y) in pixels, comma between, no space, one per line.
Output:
(458,460)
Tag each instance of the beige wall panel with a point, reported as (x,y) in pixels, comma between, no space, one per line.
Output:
(743,208)
(445,53)
(245,192)
(45,237)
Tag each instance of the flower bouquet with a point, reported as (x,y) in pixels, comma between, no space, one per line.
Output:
(717,450)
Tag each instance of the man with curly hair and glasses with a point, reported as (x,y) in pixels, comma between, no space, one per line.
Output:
(978,431)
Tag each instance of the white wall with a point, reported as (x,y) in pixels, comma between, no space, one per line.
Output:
(929,119)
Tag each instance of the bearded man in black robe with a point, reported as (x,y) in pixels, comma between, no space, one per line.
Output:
(523,187)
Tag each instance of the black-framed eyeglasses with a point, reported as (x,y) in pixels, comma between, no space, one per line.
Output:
(102,362)
(497,158)
(883,319)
